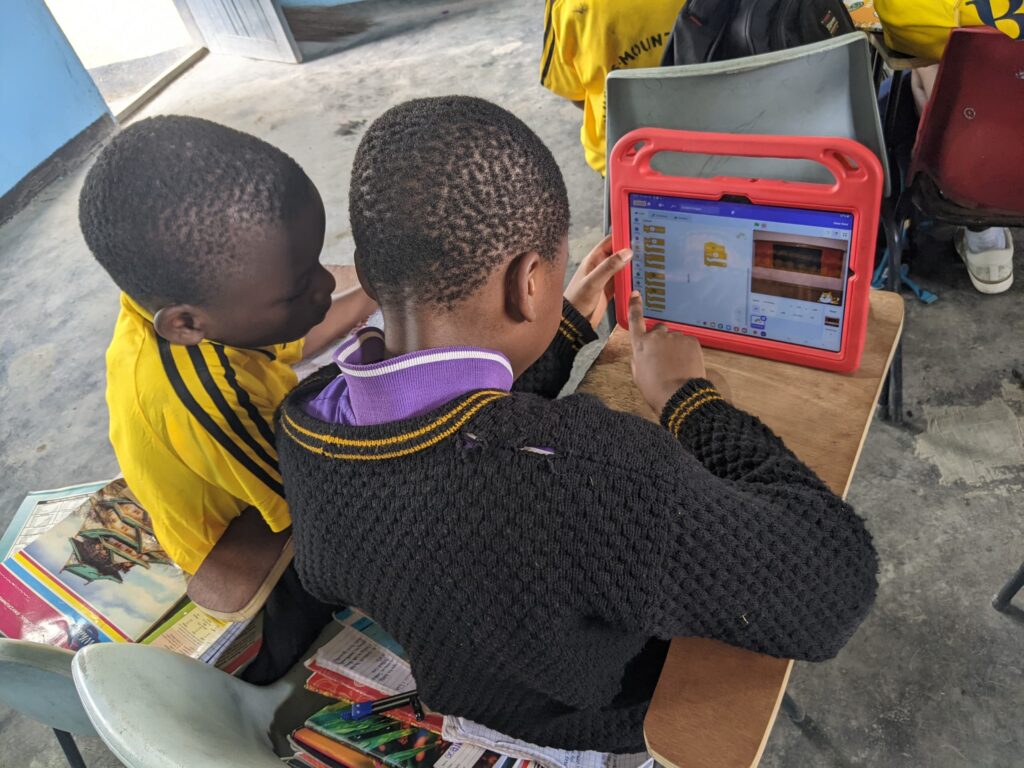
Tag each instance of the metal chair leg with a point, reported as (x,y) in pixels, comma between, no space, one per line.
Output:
(895,407)
(894,218)
(892,391)
(67,743)
(791,708)
(1002,600)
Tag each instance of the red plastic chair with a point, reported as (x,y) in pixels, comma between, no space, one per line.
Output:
(967,160)
(969,153)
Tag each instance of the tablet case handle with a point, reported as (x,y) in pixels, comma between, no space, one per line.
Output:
(849,162)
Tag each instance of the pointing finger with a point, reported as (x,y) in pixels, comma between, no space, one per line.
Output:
(636,317)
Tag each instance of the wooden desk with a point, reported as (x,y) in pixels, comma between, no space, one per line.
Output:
(715,704)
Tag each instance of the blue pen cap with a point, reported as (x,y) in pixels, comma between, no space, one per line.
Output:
(358,711)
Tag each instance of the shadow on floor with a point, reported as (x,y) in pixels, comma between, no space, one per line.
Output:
(324,31)
(122,81)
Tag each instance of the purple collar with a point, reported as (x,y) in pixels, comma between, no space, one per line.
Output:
(375,390)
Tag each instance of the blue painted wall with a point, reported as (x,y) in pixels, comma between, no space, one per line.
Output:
(46,96)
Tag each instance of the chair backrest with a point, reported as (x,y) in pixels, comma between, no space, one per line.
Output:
(970,141)
(822,89)
(157,709)
(36,681)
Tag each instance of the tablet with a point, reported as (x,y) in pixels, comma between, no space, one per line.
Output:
(768,268)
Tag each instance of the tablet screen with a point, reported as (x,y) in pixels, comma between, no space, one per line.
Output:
(754,270)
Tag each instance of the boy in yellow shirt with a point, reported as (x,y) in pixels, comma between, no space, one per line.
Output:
(585,40)
(214,237)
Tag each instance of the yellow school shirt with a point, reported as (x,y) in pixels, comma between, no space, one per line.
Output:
(922,27)
(584,40)
(192,428)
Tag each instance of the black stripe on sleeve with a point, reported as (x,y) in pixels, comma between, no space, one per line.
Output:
(181,390)
(243,397)
(550,45)
(206,377)
(547,61)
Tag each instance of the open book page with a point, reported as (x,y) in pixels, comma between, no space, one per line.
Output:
(461,730)
(353,654)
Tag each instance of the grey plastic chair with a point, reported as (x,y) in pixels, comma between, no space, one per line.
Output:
(157,709)
(822,89)
(36,681)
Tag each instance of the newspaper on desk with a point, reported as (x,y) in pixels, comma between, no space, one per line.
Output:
(362,652)
(463,730)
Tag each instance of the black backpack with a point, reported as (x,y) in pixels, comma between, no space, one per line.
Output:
(715,30)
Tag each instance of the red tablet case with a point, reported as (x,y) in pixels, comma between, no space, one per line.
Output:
(857,189)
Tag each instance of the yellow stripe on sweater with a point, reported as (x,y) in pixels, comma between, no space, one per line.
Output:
(573,342)
(683,405)
(691,409)
(573,328)
(288,421)
(402,452)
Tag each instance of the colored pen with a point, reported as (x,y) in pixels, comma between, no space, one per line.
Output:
(364,709)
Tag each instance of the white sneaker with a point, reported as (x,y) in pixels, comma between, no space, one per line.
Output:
(990,271)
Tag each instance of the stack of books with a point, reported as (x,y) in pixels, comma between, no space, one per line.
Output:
(82,565)
(363,663)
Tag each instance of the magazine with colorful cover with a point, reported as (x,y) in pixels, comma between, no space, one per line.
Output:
(40,511)
(391,741)
(328,752)
(99,575)
(318,751)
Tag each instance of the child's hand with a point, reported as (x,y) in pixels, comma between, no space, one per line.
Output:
(662,361)
(591,286)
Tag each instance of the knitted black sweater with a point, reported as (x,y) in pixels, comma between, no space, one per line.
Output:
(535,594)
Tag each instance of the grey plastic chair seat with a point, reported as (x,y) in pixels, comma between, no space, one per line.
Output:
(822,89)
(36,680)
(157,709)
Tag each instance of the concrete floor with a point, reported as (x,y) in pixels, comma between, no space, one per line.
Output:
(933,678)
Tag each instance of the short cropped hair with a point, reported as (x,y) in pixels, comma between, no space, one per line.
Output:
(166,197)
(446,189)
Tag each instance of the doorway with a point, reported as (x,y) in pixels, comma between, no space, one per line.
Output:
(131,48)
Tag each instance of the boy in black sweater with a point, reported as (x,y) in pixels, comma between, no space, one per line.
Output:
(534,555)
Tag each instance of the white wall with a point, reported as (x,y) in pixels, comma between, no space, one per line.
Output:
(107,31)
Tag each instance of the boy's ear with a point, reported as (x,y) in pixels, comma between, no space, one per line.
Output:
(181,324)
(367,288)
(522,287)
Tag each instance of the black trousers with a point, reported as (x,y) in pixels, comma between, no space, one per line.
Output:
(292,619)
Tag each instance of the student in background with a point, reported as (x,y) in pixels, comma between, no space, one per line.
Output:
(922,28)
(534,555)
(584,40)
(214,238)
